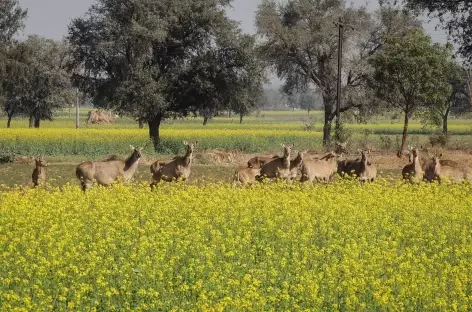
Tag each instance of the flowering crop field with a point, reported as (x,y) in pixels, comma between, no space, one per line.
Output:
(211,247)
(258,133)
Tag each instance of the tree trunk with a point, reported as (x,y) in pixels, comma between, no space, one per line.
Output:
(37,122)
(229,114)
(405,133)
(327,128)
(308,110)
(241,115)
(154,125)
(9,120)
(31,123)
(445,118)
(205,120)
(141,123)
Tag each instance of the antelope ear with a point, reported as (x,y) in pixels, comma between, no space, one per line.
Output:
(196,142)
(132,147)
(185,142)
(281,144)
(141,148)
(359,150)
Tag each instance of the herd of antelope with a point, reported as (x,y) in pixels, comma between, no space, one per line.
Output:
(309,169)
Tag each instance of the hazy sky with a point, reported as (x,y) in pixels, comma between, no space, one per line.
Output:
(49,18)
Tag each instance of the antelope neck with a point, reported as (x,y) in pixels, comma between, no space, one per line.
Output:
(130,161)
(187,157)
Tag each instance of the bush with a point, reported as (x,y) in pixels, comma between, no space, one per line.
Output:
(438,139)
(386,142)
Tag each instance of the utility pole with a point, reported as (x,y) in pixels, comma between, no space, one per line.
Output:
(340,56)
(77,109)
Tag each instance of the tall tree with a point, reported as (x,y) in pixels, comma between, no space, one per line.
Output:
(37,83)
(306,100)
(153,59)
(409,72)
(455,18)
(456,101)
(300,41)
(12,17)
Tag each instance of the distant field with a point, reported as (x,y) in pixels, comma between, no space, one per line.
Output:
(261,132)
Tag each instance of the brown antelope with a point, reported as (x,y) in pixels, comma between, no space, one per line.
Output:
(442,172)
(175,169)
(413,171)
(319,170)
(296,164)
(108,171)
(259,161)
(246,175)
(340,148)
(39,173)
(367,172)
(277,168)
(348,167)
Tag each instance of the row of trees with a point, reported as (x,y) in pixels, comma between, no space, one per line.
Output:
(33,79)
(389,60)
(154,59)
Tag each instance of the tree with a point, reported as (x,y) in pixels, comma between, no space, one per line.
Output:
(409,73)
(306,100)
(12,17)
(37,83)
(455,18)
(456,101)
(153,59)
(300,41)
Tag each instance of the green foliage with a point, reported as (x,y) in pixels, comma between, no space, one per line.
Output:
(454,16)
(410,73)
(12,17)
(439,139)
(301,43)
(36,83)
(159,58)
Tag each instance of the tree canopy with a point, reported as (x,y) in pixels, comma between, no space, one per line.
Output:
(300,41)
(36,82)
(153,59)
(455,17)
(410,72)
(12,17)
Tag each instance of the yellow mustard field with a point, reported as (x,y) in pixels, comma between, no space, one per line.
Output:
(212,247)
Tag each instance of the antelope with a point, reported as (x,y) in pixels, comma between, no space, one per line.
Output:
(259,161)
(246,175)
(367,171)
(348,167)
(109,171)
(177,168)
(442,172)
(277,167)
(413,171)
(340,148)
(296,164)
(39,173)
(319,170)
